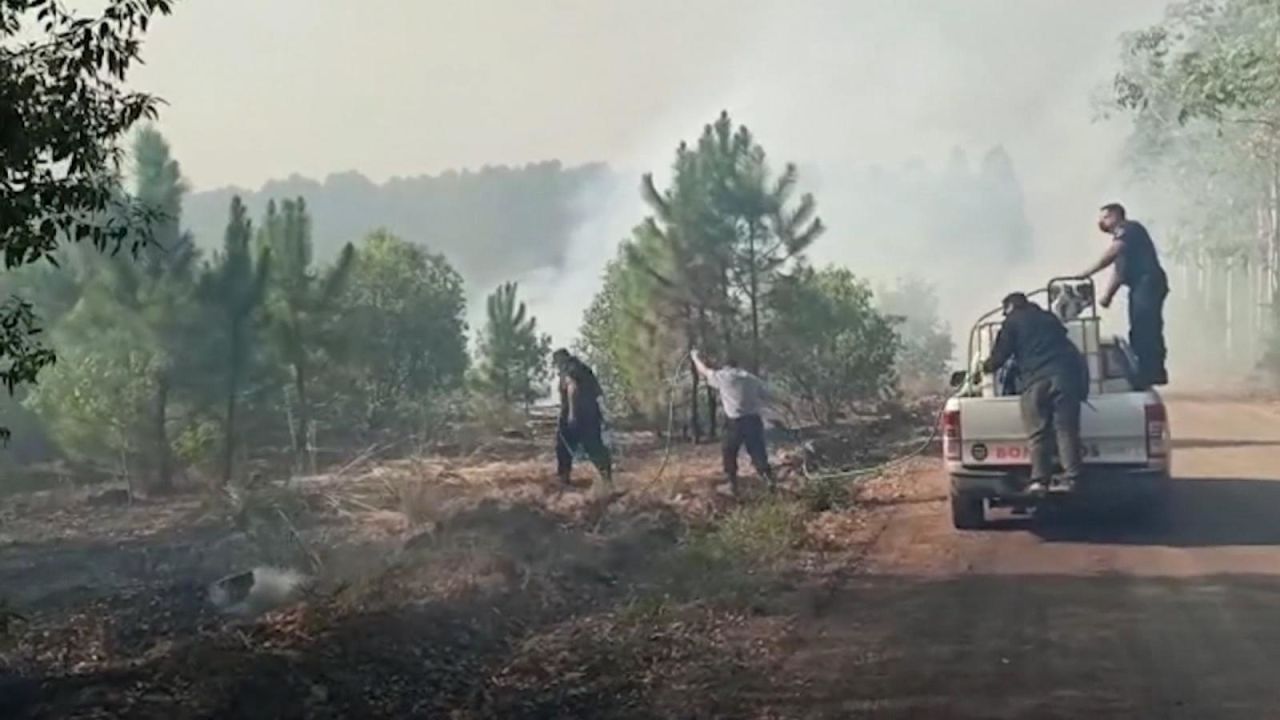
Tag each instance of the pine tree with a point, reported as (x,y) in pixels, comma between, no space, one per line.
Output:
(718,238)
(513,355)
(139,316)
(302,308)
(234,285)
(159,285)
(767,229)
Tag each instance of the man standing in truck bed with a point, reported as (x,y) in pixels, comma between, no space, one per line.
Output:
(1137,266)
(1054,384)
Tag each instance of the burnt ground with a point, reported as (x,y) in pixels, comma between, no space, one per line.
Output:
(475,590)
(466,586)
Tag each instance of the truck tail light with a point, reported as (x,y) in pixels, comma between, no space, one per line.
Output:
(1157,431)
(951,435)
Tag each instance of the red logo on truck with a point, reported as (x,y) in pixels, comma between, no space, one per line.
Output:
(1016,453)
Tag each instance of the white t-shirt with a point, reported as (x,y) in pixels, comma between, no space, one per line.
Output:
(741,393)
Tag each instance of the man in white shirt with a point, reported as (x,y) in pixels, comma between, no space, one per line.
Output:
(743,397)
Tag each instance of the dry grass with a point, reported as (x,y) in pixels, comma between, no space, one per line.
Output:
(467,587)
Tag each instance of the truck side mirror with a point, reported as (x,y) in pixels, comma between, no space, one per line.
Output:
(957,379)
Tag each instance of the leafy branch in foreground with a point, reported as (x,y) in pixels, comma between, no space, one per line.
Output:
(63,109)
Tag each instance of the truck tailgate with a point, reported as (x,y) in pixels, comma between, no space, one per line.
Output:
(1112,426)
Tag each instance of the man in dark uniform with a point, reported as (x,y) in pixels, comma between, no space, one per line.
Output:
(1054,380)
(1137,266)
(580,426)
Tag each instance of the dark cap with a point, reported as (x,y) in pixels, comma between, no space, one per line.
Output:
(1014,301)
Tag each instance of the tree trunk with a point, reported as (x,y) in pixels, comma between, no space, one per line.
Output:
(711,413)
(163,480)
(726,316)
(1273,238)
(1229,337)
(754,278)
(233,389)
(704,334)
(303,442)
(695,424)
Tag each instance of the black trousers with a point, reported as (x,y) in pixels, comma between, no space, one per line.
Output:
(1051,417)
(1146,329)
(746,430)
(586,436)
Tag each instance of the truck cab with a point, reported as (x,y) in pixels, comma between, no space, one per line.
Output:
(1124,429)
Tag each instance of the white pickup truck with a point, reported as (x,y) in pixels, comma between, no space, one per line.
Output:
(1125,432)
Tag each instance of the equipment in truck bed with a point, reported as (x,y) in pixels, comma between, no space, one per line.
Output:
(1124,431)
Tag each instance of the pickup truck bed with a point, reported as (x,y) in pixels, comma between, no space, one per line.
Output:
(1126,444)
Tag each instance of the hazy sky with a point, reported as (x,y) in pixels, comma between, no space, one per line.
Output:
(259,89)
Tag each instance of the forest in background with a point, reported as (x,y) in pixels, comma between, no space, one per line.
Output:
(307,321)
(198,359)
(1202,88)
(494,223)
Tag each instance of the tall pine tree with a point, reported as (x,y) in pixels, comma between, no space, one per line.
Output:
(302,306)
(513,354)
(137,315)
(234,285)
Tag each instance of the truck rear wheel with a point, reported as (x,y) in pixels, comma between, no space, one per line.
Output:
(968,512)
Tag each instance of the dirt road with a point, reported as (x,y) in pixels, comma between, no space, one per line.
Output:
(1070,618)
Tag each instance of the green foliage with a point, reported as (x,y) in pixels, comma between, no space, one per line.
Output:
(829,347)
(603,345)
(698,272)
(513,356)
(1212,59)
(96,402)
(760,534)
(140,313)
(926,341)
(403,320)
(1200,88)
(722,233)
(233,288)
(62,110)
(24,356)
(1203,90)
(302,308)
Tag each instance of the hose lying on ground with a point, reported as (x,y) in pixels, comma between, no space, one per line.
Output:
(919,450)
(673,385)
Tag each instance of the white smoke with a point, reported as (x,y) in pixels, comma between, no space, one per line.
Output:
(257,591)
(838,87)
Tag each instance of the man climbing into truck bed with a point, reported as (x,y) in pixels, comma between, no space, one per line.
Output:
(1054,384)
